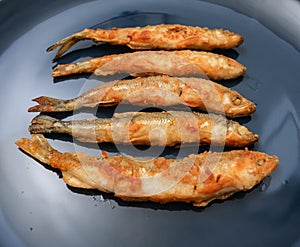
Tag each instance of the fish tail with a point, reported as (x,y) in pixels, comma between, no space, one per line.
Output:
(43,124)
(38,147)
(47,104)
(65,44)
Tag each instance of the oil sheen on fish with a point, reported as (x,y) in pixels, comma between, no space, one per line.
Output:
(151,128)
(163,36)
(198,178)
(173,63)
(156,91)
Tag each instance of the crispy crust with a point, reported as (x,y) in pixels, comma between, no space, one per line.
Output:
(151,128)
(156,91)
(164,36)
(174,63)
(196,179)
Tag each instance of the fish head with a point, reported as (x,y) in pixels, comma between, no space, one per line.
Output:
(265,164)
(258,165)
(236,105)
(252,167)
(244,136)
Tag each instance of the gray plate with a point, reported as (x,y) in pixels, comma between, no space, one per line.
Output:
(37,209)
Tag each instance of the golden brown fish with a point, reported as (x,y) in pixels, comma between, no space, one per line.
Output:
(197,179)
(151,128)
(164,36)
(156,91)
(173,63)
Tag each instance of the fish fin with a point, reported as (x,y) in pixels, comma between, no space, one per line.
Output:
(66,43)
(42,124)
(48,104)
(107,103)
(38,147)
(43,119)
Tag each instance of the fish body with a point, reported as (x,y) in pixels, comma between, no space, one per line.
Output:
(142,63)
(170,128)
(156,91)
(198,178)
(163,36)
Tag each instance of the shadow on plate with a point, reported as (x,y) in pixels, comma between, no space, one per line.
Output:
(177,152)
(55,170)
(171,206)
(232,82)
(227,52)
(93,51)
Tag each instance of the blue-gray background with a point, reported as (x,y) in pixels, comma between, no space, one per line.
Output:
(37,209)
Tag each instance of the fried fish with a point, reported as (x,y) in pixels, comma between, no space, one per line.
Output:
(164,36)
(151,128)
(197,179)
(156,91)
(142,63)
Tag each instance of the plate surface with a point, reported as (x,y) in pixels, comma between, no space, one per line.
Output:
(37,209)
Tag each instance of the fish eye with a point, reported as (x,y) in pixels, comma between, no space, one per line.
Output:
(260,162)
(236,99)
